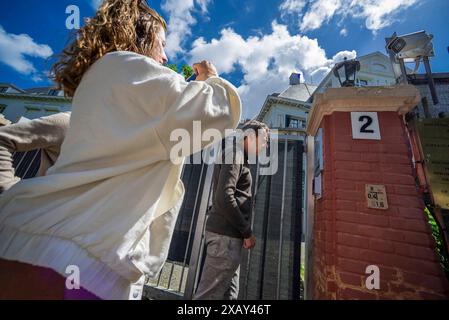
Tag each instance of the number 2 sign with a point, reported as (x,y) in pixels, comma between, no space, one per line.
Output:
(365,125)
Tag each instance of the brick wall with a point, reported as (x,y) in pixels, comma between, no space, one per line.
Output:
(349,236)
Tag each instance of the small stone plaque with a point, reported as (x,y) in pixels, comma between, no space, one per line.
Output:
(376,196)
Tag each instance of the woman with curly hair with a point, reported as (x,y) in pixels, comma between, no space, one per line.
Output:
(108,206)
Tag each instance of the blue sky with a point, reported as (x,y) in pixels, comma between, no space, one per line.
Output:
(255,44)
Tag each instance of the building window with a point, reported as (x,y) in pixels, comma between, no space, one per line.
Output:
(294,123)
(53,92)
(280,121)
(2,108)
(379,67)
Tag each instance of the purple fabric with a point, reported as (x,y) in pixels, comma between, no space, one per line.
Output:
(22,281)
(79,294)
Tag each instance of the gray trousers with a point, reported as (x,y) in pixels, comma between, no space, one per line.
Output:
(221,271)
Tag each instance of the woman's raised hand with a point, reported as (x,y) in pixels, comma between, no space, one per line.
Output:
(204,70)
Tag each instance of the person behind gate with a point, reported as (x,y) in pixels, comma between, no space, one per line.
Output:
(228,227)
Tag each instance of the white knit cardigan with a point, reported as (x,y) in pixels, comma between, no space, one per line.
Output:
(110,202)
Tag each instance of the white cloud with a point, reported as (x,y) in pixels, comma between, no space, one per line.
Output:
(293,5)
(377,14)
(321,11)
(180,22)
(344,32)
(203,5)
(266,61)
(14,49)
(224,53)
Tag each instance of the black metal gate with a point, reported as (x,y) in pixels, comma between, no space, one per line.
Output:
(272,270)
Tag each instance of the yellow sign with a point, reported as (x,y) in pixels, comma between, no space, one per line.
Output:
(376,197)
(434,136)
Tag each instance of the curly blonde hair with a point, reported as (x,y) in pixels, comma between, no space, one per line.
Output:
(118,25)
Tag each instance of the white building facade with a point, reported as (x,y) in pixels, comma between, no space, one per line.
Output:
(375,70)
(16,103)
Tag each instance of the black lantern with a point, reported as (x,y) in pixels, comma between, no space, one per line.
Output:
(346,71)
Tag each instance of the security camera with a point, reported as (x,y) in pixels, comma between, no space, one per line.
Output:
(396,45)
(412,46)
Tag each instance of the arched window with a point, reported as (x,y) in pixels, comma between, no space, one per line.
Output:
(379,67)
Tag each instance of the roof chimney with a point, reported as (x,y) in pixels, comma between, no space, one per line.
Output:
(295,79)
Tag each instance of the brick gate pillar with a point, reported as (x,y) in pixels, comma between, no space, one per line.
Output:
(368,210)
